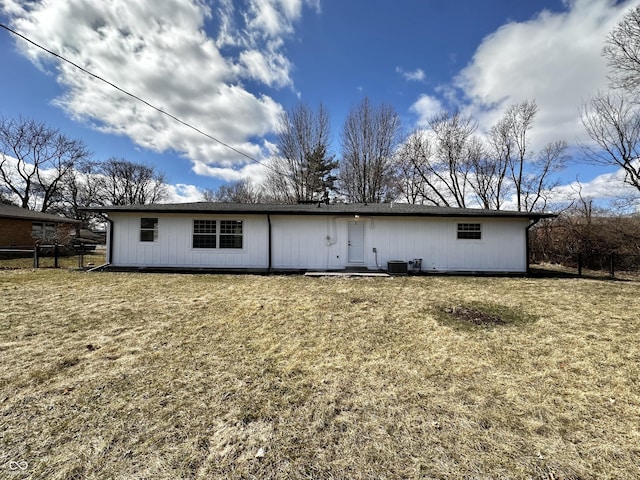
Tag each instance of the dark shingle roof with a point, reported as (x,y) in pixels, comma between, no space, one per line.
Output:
(11,211)
(371,209)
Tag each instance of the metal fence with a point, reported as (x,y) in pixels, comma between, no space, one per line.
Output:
(610,263)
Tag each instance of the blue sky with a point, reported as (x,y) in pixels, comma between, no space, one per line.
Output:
(230,67)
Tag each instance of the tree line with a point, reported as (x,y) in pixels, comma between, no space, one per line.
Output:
(447,163)
(43,169)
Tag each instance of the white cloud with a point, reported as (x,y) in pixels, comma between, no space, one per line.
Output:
(607,189)
(417,75)
(182,193)
(553,58)
(425,108)
(160,51)
(270,68)
(252,171)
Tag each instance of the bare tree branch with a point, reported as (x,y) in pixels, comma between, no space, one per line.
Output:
(369,138)
(35,160)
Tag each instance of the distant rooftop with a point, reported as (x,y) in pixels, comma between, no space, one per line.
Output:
(11,211)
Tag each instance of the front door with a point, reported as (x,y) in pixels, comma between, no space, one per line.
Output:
(355,249)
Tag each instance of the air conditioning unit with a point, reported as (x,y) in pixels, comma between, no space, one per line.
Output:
(397,267)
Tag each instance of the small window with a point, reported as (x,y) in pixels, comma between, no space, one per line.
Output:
(230,233)
(204,234)
(148,229)
(469,231)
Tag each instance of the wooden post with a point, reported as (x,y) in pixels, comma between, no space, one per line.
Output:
(81,257)
(612,271)
(36,260)
(55,255)
(580,264)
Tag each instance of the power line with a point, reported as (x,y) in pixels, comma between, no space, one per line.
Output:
(211,137)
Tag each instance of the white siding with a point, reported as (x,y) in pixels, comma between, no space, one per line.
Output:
(174,245)
(320,242)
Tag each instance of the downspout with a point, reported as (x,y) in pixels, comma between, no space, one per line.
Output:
(269,242)
(531,224)
(110,251)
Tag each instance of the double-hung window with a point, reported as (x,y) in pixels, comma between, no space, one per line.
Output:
(469,231)
(217,234)
(230,234)
(148,229)
(204,234)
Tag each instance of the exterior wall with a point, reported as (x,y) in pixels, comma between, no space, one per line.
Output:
(18,232)
(15,232)
(174,245)
(321,242)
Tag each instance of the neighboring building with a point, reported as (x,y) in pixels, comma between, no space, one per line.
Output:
(20,227)
(261,237)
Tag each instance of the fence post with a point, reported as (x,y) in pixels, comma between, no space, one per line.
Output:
(612,265)
(579,264)
(36,260)
(55,255)
(81,257)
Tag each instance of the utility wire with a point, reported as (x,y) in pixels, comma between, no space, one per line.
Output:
(211,137)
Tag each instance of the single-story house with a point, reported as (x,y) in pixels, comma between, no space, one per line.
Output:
(20,227)
(327,237)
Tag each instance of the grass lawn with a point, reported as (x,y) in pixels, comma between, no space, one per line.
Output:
(108,375)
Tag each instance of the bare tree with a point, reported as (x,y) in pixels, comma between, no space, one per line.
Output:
(456,149)
(530,176)
(622,51)
(517,121)
(613,123)
(79,191)
(35,160)
(408,159)
(539,183)
(302,168)
(490,170)
(241,191)
(441,160)
(121,182)
(369,137)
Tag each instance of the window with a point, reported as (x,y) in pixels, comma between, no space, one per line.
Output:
(217,234)
(44,231)
(204,234)
(469,231)
(230,234)
(148,229)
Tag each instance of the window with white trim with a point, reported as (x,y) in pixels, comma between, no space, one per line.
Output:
(217,234)
(148,229)
(230,233)
(204,234)
(469,231)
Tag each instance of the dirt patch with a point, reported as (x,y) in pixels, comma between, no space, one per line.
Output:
(474,316)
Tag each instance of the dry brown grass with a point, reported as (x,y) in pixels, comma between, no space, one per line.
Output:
(112,375)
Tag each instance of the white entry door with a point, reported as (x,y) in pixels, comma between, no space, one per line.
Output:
(355,249)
